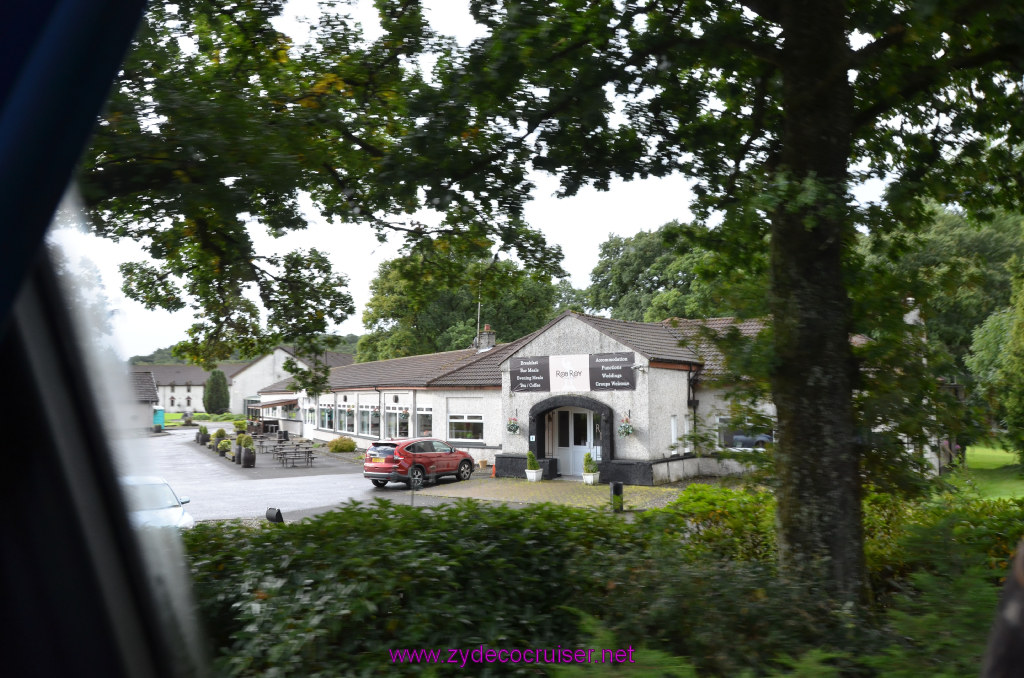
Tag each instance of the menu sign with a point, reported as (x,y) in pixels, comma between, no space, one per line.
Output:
(573,373)
(529,374)
(612,372)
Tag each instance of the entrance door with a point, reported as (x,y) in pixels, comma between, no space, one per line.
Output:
(574,437)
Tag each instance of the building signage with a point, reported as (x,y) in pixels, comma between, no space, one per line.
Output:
(612,372)
(529,374)
(573,373)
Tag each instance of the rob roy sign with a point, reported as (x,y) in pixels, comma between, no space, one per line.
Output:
(573,373)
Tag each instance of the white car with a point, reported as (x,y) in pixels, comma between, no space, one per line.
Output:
(152,503)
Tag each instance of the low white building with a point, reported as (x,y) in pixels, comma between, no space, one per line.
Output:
(561,392)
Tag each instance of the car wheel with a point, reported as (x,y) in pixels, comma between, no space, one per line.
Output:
(465,470)
(378,483)
(416,477)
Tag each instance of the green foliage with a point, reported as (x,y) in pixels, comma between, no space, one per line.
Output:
(239,426)
(203,430)
(720,523)
(201,416)
(216,398)
(531,461)
(245,440)
(224,445)
(331,595)
(427,303)
(589,465)
(342,444)
(220,433)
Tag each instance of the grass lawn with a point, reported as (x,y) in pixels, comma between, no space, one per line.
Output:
(995,473)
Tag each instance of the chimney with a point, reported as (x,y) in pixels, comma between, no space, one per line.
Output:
(485,340)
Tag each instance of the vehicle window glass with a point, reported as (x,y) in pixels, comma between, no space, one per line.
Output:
(441,447)
(416,448)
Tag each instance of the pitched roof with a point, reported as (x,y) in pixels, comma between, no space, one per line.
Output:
(144,387)
(654,341)
(691,334)
(416,370)
(180,374)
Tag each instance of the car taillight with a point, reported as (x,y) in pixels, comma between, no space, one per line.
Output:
(397,455)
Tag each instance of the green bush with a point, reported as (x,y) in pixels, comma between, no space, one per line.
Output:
(342,444)
(718,522)
(239,426)
(331,595)
(589,465)
(220,433)
(224,445)
(531,461)
(245,440)
(201,416)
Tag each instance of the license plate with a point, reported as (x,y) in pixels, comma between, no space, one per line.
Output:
(377,460)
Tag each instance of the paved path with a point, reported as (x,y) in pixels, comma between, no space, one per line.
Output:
(220,489)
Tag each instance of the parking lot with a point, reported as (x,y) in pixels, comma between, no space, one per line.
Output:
(219,489)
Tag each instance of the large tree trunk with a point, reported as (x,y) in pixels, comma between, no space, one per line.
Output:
(819,511)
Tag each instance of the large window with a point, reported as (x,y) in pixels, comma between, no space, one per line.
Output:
(396,422)
(369,420)
(347,418)
(466,427)
(424,421)
(326,417)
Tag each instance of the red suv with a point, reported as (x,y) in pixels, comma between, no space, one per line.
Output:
(414,461)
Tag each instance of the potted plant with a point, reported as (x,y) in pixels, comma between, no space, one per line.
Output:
(223,446)
(533,470)
(248,451)
(590,470)
(218,437)
(625,427)
(513,425)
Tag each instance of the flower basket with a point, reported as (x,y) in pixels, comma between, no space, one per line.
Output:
(513,425)
(625,428)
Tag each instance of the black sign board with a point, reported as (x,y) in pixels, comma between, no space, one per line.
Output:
(612,372)
(529,374)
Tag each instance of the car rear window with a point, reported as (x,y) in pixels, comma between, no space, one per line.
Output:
(382,448)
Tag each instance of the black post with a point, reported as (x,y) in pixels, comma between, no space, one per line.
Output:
(616,491)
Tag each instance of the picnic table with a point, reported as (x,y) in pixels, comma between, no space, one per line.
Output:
(290,453)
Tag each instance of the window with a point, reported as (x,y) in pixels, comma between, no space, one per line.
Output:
(188,387)
(347,418)
(188,401)
(466,427)
(424,421)
(327,417)
(563,428)
(369,420)
(172,398)
(311,415)
(396,422)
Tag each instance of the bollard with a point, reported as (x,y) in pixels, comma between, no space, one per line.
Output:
(616,490)
(274,515)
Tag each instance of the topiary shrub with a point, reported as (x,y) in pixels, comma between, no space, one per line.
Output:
(239,426)
(220,433)
(245,440)
(531,462)
(342,444)
(589,465)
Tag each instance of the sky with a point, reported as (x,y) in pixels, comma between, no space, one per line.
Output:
(578,225)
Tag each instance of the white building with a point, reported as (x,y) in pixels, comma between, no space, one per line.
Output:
(561,392)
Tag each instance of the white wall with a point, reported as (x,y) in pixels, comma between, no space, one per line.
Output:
(181,394)
(259,374)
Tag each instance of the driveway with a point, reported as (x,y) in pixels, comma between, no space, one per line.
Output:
(220,489)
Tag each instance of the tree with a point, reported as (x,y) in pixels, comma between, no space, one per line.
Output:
(412,311)
(218,123)
(663,274)
(216,399)
(778,108)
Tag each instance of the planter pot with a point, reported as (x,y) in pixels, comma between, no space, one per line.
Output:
(534,475)
(220,452)
(248,457)
(238,455)
(591,478)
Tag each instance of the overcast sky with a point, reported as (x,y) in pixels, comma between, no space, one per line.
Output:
(579,225)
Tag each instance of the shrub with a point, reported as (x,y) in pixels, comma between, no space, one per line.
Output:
(216,398)
(224,445)
(531,461)
(203,430)
(342,444)
(220,433)
(245,440)
(589,465)
(239,426)
(201,416)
